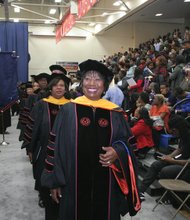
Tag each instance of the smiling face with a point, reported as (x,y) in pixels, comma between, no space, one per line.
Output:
(93,85)
(58,90)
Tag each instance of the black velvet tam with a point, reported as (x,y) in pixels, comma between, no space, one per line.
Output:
(89,65)
(58,67)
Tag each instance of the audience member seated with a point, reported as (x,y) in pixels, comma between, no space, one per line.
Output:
(165,91)
(142,130)
(142,101)
(183,102)
(152,90)
(139,79)
(185,83)
(149,69)
(159,112)
(168,166)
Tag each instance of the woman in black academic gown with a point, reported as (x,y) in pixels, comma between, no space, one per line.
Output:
(37,132)
(90,166)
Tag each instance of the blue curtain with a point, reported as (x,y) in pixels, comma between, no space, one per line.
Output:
(14,37)
(8,82)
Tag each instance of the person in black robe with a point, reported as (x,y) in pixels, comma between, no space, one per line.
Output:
(57,69)
(36,136)
(90,167)
(42,79)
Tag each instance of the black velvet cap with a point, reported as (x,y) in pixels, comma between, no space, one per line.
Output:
(29,85)
(89,65)
(58,67)
(41,76)
(66,79)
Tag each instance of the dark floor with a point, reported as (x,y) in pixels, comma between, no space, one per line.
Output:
(18,200)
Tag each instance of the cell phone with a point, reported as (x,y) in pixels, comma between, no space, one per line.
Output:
(177,156)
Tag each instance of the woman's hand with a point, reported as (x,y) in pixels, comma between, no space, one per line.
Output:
(56,194)
(108,157)
(167,158)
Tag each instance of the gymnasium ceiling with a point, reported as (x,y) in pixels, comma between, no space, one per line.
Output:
(104,13)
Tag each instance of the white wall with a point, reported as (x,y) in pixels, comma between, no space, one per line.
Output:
(44,51)
(145,31)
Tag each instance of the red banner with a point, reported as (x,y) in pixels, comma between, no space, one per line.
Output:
(83,7)
(65,27)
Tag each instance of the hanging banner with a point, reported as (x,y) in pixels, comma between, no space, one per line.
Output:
(83,7)
(65,27)
(8,82)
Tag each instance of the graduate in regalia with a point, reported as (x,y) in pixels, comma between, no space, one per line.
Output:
(90,167)
(37,132)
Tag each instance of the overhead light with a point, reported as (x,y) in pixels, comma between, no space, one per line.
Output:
(92,24)
(117,3)
(104,14)
(158,14)
(47,22)
(16,9)
(52,11)
(186,0)
(16,20)
(57,1)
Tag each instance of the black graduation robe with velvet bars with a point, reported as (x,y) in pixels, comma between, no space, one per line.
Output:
(89,191)
(40,123)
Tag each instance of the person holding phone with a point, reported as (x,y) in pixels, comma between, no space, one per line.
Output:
(168,166)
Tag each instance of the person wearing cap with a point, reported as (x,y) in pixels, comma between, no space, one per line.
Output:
(42,79)
(91,168)
(36,136)
(57,69)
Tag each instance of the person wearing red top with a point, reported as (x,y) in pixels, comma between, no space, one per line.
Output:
(142,130)
(139,79)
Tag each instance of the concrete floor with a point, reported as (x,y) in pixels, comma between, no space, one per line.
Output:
(18,200)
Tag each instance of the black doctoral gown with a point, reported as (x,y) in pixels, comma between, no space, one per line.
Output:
(90,191)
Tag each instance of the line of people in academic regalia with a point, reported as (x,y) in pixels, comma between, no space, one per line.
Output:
(37,119)
(80,149)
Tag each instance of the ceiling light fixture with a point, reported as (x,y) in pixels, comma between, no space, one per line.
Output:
(186,0)
(47,22)
(52,11)
(117,3)
(57,1)
(92,24)
(158,14)
(16,9)
(104,14)
(16,20)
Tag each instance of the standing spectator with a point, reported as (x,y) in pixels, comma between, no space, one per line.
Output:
(161,73)
(177,75)
(114,93)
